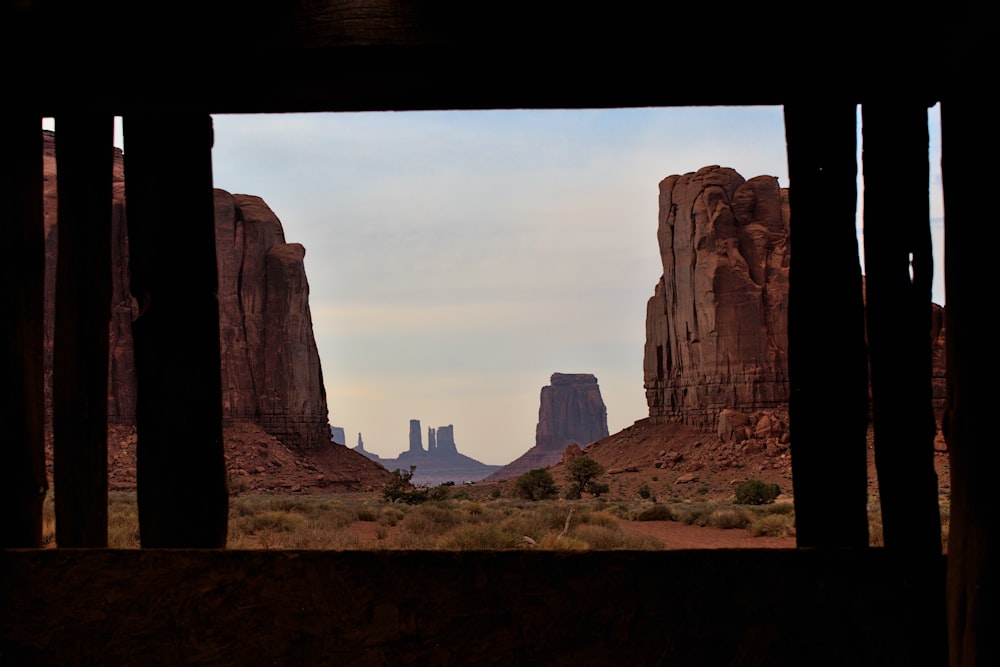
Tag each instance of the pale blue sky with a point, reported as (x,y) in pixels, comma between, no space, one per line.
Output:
(457,259)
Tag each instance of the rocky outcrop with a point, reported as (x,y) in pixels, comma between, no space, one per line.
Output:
(571,411)
(271,372)
(716,325)
(441,462)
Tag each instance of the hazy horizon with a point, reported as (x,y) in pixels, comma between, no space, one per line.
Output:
(457,259)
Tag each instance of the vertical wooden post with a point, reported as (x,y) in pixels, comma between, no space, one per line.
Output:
(899,269)
(969,145)
(23,480)
(84,154)
(827,364)
(181,474)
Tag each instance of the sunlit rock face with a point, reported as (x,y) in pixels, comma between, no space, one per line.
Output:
(716,325)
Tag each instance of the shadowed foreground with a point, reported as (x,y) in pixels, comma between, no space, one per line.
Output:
(770,607)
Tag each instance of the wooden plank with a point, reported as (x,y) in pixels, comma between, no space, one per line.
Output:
(821,608)
(84,154)
(23,482)
(402,54)
(827,364)
(181,474)
(899,268)
(969,144)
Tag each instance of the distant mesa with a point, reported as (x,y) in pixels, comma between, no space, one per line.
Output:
(338,436)
(571,411)
(441,462)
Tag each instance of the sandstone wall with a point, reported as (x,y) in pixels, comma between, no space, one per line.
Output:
(716,325)
(271,372)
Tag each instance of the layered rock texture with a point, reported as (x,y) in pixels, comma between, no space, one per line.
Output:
(271,372)
(716,325)
(441,462)
(571,411)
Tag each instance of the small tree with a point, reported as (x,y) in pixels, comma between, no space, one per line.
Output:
(582,471)
(756,492)
(535,485)
(400,488)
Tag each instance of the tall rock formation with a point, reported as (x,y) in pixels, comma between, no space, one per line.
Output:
(271,372)
(441,462)
(571,411)
(716,325)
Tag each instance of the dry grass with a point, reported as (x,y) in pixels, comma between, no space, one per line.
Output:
(331,522)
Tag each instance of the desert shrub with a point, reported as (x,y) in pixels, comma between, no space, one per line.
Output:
(605,538)
(495,492)
(473,508)
(276,520)
(482,537)
(656,512)
(777,508)
(875,537)
(440,492)
(400,489)
(583,472)
(535,484)
(772,525)
(553,542)
(696,514)
(645,492)
(431,519)
(524,526)
(555,516)
(390,516)
(597,489)
(366,514)
(123,522)
(756,492)
(729,518)
(601,518)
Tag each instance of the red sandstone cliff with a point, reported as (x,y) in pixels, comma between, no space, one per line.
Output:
(716,326)
(272,380)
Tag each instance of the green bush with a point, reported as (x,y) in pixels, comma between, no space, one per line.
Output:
(582,471)
(400,488)
(535,484)
(756,492)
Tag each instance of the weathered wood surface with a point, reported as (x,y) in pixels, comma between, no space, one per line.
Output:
(180,462)
(82,316)
(718,607)
(899,267)
(829,466)
(394,54)
(22,302)
(969,141)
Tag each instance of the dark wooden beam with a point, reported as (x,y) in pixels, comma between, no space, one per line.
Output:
(84,155)
(899,269)
(23,481)
(969,145)
(827,364)
(181,474)
(332,55)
